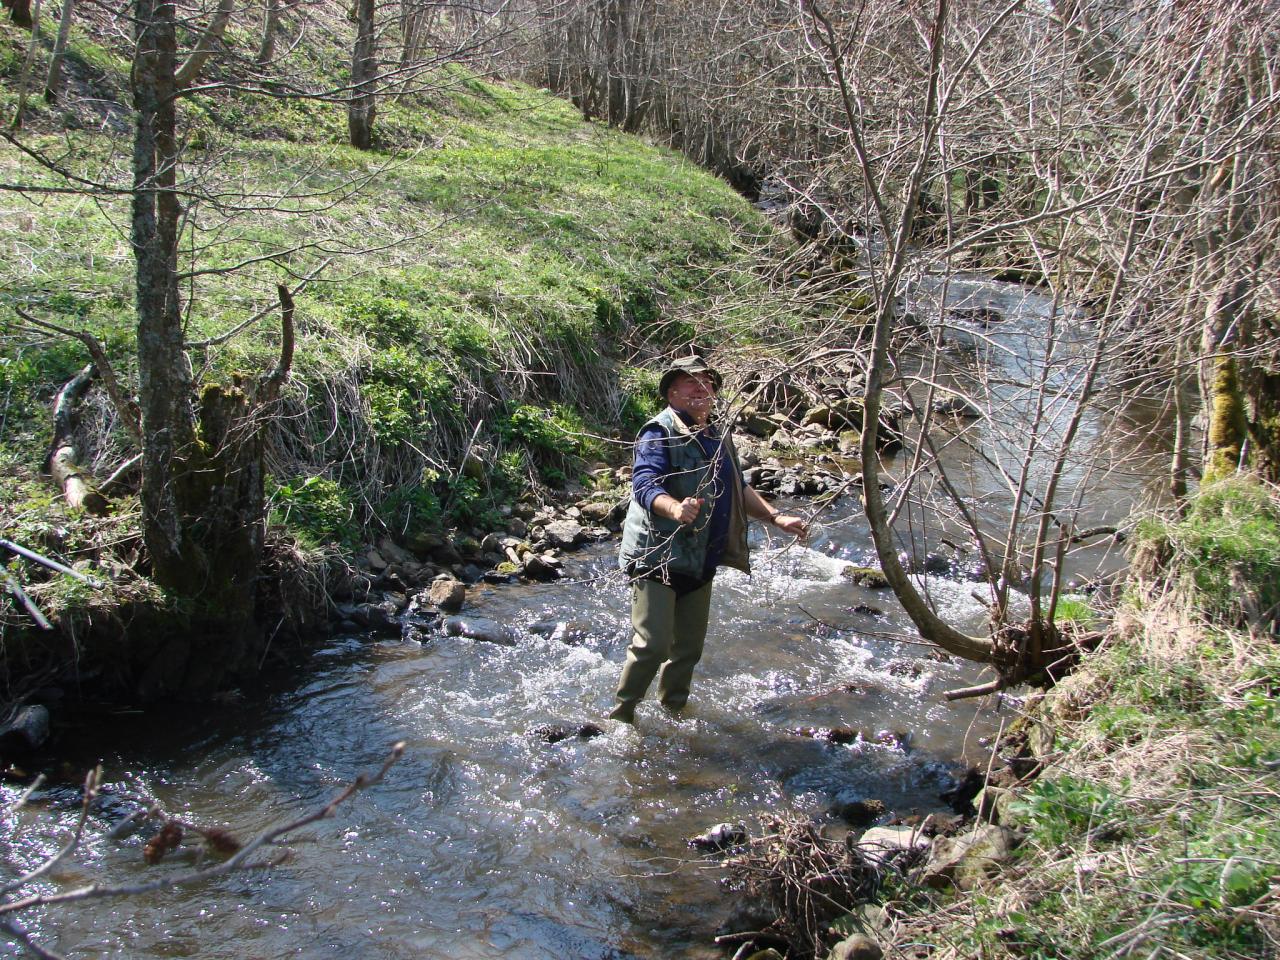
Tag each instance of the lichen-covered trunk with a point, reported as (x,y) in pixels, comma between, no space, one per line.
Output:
(1228,427)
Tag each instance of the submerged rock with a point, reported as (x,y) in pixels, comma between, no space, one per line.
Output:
(478,628)
(841,735)
(555,732)
(960,797)
(979,316)
(866,610)
(860,813)
(895,739)
(902,667)
(956,407)
(868,577)
(569,632)
(720,836)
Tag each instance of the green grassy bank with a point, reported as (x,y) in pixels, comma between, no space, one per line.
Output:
(482,300)
(492,283)
(1154,828)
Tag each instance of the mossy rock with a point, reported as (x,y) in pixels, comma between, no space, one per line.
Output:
(868,577)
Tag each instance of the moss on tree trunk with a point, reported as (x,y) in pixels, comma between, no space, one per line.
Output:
(1227,424)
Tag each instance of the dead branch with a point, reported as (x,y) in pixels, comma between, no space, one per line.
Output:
(269,386)
(119,473)
(16,589)
(241,860)
(46,562)
(124,405)
(982,689)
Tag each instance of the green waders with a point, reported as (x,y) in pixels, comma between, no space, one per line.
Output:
(669,633)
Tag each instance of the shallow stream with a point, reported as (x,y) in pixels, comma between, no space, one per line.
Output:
(486,841)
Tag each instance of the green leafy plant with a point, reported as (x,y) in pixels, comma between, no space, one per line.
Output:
(556,437)
(406,394)
(413,509)
(1058,808)
(316,510)
(1076,610)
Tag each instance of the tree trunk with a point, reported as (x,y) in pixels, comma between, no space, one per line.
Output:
(553,35)
(53,80)
(1261,386)
(25,78)
(208,44)
(932,627)
(364,66)
(1180,463)
(19,12)
(202,478)
(270,27)
(164,377)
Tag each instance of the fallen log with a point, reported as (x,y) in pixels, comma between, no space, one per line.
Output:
(63,464)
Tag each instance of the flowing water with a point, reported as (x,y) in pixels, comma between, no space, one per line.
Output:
(486,841)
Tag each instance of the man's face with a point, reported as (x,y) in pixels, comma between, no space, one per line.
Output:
(694,394)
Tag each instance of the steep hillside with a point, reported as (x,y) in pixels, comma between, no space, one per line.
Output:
(479,299)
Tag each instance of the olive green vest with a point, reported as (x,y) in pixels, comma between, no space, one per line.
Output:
(651,542)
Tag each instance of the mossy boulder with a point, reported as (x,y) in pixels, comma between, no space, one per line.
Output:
(868,577)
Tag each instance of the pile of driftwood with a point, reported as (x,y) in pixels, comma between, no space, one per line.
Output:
(804,880)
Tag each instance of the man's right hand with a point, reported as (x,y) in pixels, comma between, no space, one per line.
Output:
(686,510)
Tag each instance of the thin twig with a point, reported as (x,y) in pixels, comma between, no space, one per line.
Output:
(239,861)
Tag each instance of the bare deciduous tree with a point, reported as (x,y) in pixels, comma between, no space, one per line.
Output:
(1119,155)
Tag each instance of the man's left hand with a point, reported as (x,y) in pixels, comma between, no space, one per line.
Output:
(796,526)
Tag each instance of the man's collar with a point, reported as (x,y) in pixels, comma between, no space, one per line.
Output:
(686,423)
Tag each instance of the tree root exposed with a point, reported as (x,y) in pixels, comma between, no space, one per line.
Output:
(1037,654)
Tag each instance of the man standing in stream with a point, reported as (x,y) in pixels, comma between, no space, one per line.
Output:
(688,516)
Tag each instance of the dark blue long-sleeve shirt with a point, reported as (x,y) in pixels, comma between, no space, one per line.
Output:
(651,466)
